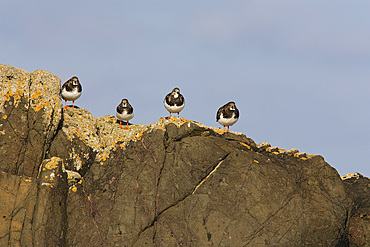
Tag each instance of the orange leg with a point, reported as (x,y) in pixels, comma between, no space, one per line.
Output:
(178,114)
(228,128)
(66,104)
(73,104)
(127,125)
(224,128)
(120,124)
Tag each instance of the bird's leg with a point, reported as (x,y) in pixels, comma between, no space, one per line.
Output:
(120,124)
(178,114)
(224,128)
(73,105)
(228,128)
(66,104)
(127,125)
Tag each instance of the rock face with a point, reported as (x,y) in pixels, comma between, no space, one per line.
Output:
(68,179)
(358,189)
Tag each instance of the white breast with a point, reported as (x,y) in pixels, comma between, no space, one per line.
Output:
(70,95)
(227,121)
(124,116)
(174,108)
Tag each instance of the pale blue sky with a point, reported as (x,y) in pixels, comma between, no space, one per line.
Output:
(297,70)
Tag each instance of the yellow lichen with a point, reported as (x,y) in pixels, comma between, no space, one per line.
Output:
(245,145)
(37,108)
(256,161)
(220,131)
(51,165)
(5,116)
(48,184)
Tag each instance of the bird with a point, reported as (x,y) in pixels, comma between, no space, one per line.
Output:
(71,90)
(174,102)
(124,112)
(227,115)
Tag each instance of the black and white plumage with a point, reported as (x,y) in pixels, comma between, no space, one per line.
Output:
(227,115)
(71,90)
(124,112)
(174,102)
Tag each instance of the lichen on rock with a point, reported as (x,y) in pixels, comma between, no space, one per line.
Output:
(65,174)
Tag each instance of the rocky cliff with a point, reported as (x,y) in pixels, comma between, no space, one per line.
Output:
(68,179)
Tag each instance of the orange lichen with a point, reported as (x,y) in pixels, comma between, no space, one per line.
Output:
(51,164)
(220,131)
(256,161)
(39,107)
(48,184)
(140,134)
(245,145)
(5,116)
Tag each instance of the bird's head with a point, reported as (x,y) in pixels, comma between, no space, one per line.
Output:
(231,105)
(124,102)
(175,92)
(75,81)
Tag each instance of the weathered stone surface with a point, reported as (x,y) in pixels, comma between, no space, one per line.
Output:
(30,112)
(68,179)
(358,189)
(191,186)
(14,105)
(32,210)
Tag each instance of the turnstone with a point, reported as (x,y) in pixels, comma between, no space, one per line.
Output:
(124,112)
(174,102)
(227,115)
(71,90)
